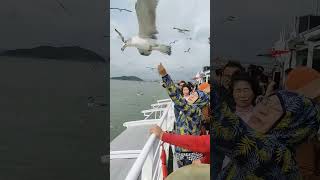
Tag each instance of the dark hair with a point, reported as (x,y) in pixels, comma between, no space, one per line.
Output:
(244,76)
(234,64)
(190,85)
(287,71)
(187,86)
(255,70)
(218,72)
(182,82)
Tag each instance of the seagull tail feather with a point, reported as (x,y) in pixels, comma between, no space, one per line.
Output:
(165,49)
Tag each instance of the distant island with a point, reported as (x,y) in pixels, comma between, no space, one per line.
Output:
(128,78)
(58,53)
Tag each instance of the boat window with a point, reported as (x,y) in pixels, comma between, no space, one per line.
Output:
(204,79)
(302,57)
(316,59)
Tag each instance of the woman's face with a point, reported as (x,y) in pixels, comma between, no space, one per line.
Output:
(243,94)
(185,91)
(265,114)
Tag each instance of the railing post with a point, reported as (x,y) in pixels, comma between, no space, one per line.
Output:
(147,169)
(143,166)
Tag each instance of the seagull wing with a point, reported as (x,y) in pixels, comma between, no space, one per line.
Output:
(122,38)
(146,14)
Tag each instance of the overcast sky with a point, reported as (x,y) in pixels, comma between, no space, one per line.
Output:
(26,24)
(257,27)
(191,14)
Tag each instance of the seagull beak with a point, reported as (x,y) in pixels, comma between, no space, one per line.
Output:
(123,47)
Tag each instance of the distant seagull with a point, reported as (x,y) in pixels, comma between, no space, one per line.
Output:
(63,7)
(146,41)
(173,42)
(189,38)
(92,102)
(229,18)
(181,30)
(187,50)
(151,68)
(139,93)
(121,9)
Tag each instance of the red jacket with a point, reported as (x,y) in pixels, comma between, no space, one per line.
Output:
(200,144)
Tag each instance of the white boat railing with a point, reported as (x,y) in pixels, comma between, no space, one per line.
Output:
(148,164)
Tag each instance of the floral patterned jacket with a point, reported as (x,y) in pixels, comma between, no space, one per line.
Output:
(190,118)
(268,155)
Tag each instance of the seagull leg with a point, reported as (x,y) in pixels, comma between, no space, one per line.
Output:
(123,47)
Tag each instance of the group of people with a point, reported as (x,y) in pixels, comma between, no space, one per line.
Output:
(254,133)
(189,102)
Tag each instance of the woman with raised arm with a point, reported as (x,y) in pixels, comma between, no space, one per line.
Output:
(190,116)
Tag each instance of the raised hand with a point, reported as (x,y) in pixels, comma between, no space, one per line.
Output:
(161,70)
(157,131)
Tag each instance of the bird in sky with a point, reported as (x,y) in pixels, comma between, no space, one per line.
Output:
(146,40)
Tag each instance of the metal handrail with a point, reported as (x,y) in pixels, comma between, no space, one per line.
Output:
(135,170)
(164,100)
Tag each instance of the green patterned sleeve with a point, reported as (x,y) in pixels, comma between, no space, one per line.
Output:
(180,103)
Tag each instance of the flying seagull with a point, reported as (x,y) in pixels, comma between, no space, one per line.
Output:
(189,38)
(187,50)
(146,40)
(121,9)
(181,30)
(173,42)
(63,7)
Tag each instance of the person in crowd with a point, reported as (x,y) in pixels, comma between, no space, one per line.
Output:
(225,93)
(186,90)
(244,90)
(205,125)
(229,69)
(180,84)
(218,75)
(308,153)
(263,147)
(205,87)
(200,144)
(189,120)
(191,86)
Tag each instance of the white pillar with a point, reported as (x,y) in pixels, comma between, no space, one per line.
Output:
(310,55)
(294,59)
